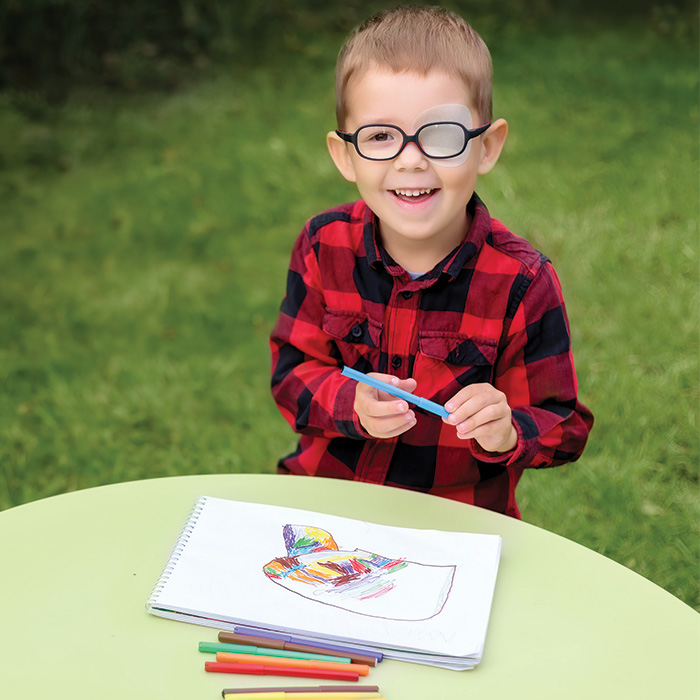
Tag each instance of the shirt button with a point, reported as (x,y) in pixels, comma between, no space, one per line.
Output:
(396,362)
(356,331)
(406,295)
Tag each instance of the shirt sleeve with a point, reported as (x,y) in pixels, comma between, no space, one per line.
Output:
(307,385)
(536,371)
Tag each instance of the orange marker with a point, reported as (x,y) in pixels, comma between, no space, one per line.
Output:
(228,657)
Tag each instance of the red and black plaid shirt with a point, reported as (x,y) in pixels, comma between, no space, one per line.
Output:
(492,311)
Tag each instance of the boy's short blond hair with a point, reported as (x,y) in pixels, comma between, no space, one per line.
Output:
(420,39)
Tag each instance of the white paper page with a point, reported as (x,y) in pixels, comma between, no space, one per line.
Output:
(219,574)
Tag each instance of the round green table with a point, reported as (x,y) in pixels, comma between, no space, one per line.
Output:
(566,623)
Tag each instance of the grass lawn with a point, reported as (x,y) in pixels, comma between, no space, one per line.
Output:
(145,241)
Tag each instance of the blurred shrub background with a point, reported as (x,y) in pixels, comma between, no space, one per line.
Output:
(52,45)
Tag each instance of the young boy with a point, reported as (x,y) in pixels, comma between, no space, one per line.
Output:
(417,285)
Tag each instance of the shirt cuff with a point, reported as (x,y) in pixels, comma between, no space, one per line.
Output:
(520,456)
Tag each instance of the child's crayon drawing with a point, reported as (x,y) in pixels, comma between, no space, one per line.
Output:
(359,581)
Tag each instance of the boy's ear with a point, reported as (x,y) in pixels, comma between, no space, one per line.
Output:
(492,145)
(340,153)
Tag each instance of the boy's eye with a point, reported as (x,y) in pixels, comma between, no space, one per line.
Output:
(371,136)
(379,141)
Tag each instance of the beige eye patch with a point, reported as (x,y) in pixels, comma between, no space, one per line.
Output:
(443,140)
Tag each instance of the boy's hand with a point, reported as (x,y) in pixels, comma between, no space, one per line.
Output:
(481,412)
(383,415)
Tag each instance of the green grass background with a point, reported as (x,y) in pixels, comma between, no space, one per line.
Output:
(144,243)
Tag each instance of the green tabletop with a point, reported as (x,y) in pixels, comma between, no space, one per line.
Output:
(77,569)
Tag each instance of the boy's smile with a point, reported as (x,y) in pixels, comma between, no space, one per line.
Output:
(414,196)
(420,203)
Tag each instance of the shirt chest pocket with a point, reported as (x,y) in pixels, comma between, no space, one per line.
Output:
(356,335)
(450,361)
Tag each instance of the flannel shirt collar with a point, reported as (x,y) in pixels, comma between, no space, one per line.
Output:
(450,265)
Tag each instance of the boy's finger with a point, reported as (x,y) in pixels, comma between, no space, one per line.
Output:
(390,426)
(393,427)
(378,408)
(483,431)
(472,406)
(490,420)
(465,394)
(405,384)
(378,403)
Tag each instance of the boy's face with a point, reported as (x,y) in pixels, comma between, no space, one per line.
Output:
(435,220)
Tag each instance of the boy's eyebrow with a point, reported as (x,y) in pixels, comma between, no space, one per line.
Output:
(377,120)
(394,121)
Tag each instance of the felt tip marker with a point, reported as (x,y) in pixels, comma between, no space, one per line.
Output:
(306,689)
(361,669)
(269,634)
(419,401)
(269,643)
(303,696)
(261,670)
(214,647)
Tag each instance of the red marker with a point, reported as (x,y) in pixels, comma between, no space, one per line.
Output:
(228,657)
(260,670)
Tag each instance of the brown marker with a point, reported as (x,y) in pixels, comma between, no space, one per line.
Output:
(235,638)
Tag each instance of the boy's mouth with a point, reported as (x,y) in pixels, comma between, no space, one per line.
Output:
(414,196)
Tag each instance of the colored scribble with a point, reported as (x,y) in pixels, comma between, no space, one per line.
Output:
(358,581)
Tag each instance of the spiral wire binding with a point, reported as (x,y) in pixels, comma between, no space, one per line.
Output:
(180,544)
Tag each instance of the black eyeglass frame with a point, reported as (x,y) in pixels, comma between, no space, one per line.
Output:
(469,134)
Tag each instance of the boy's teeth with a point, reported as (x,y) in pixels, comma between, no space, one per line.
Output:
(412,193)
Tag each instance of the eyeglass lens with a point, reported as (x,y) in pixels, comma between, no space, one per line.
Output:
(443,140)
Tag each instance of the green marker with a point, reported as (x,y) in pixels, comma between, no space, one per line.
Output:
(213,647)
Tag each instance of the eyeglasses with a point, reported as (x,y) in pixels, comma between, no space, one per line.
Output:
(437,140)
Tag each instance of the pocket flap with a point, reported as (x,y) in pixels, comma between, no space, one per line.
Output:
(457,349)
(352,328)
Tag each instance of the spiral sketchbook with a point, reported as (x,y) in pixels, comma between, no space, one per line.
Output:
(416,595)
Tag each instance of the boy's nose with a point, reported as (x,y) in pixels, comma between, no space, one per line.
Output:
(411,158)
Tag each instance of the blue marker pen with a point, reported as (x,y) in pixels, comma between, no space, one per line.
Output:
(419,401)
